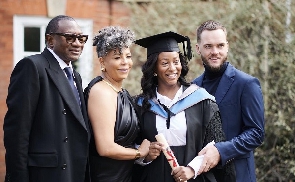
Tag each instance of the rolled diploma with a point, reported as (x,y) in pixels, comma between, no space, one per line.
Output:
(167,151)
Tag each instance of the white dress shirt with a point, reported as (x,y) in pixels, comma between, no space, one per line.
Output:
(62,64)
(176,134)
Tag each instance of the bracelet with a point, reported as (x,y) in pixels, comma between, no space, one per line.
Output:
(137,155)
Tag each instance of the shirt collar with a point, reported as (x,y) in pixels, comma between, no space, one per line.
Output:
(61,63)
(168,102)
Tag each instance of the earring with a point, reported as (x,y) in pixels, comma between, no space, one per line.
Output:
(103,69)
(155,74)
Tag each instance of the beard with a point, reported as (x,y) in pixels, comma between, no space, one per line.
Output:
(212,68)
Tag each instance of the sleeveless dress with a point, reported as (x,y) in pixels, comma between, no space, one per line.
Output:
(104,169)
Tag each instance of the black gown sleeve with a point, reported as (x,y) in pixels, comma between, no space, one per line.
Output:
(215,132)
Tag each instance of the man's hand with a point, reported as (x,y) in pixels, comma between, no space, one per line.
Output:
(211,158)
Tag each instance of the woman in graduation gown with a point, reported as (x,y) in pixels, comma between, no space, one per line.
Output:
(184,113)
(113,119)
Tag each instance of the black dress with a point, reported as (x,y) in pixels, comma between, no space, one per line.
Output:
(104,169)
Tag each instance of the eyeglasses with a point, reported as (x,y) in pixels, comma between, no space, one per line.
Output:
(71,38)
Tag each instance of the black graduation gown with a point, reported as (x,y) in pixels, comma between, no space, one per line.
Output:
(203,126)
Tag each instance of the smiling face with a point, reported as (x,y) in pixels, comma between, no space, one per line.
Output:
(213,48)
(168,68)
(66,51)
(116,64)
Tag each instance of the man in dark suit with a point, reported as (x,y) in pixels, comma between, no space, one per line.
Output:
(239,98)
(45,128)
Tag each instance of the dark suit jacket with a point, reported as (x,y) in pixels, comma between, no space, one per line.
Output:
(240,102)
(45,130)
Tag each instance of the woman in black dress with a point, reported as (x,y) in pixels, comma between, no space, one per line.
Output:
(113,119)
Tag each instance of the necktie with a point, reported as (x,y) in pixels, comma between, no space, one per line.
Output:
(69,73)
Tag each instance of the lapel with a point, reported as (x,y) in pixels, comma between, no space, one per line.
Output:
(192,127)
(198,81)
(78,84)
(59,79)
(225,83)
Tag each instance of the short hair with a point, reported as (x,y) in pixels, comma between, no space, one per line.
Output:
(52,26)
(209,25)
(112,38)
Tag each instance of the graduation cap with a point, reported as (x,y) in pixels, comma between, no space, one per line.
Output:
(165,42)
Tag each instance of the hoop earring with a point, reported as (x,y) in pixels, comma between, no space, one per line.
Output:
(103,69)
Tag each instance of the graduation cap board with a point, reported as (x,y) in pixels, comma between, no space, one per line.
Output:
(165,42)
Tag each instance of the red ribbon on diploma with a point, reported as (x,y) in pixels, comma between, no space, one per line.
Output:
(173,159)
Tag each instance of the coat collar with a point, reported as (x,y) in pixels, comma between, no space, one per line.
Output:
(225,82)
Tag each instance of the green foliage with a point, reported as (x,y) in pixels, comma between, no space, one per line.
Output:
(258,32)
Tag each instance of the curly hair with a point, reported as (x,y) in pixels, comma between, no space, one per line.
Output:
(209,25)
(112,38)
(149,82)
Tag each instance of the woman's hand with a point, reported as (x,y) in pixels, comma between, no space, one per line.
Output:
(183,173)
(154,151)
(144,148)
